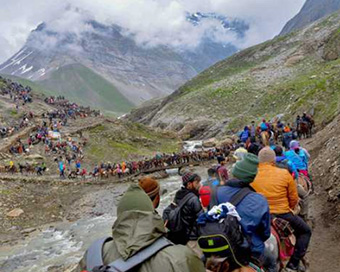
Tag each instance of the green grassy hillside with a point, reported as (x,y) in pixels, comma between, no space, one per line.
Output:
(127,141)
(287,75)
(79,83)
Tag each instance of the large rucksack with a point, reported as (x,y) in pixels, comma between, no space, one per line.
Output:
(94,256)
(224,238)
(173,220)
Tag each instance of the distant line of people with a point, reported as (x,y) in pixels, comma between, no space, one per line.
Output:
(67,108)
(277,131)
(16,91)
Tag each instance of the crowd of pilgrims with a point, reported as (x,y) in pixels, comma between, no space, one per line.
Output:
(235,220)
(262,193)
(278,131)
(266,175)
(159,161)
(69,150)
(16,92)
(19,95)
(68,109)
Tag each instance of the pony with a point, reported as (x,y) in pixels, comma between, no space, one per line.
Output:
(265,136)
(304,130)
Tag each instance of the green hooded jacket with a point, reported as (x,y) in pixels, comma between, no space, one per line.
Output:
(138,226)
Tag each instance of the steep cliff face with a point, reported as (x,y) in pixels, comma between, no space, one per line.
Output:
(311,11)
(287,75)
(137,72)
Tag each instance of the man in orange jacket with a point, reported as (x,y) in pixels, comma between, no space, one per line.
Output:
(280,189)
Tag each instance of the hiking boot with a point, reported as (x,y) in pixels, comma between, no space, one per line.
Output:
(291,268)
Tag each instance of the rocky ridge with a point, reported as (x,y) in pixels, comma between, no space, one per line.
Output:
(311,11)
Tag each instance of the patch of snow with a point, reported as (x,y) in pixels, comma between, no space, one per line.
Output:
(41,72)
(122,116)
(20,60)
(19,53)
(24,69)
(15,61)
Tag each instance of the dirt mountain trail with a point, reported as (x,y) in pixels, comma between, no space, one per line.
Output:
(81,124)
(324,248)
(6,143)
(7,103)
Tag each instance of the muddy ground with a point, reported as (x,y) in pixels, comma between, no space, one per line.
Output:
(46,203)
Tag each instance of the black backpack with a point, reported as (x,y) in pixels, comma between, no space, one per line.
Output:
(173,220)
(225,238)
(94,256)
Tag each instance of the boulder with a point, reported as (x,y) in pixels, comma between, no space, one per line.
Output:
(15,213)
(210,143)
(28,231)
(194,129)
(34,157)
(294,60)
(226,141)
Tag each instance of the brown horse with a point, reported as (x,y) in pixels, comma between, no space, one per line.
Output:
(304,130)
(311,125)
(10,169)
(103,173)
(265,138)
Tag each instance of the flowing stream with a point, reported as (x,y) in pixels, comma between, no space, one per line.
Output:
(64,244)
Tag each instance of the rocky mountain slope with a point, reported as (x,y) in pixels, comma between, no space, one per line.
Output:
(131,73)
(287,75)
(311,11)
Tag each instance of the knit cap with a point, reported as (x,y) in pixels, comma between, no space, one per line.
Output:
(294,144)
(188,177)
(150,186)
(246,169)
(267,155)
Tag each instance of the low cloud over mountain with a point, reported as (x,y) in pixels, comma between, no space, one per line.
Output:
(149,22)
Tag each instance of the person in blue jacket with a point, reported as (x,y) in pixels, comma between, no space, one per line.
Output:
(253,209)
(283,162)
(245,134)
(297,156)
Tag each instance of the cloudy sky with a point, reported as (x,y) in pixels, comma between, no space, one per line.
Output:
(152,22)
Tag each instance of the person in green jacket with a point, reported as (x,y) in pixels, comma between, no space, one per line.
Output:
(138,226)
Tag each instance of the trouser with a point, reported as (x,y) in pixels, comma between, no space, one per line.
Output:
(302,233)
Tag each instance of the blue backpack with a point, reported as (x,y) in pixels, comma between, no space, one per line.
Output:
(263,126)
(245,136)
